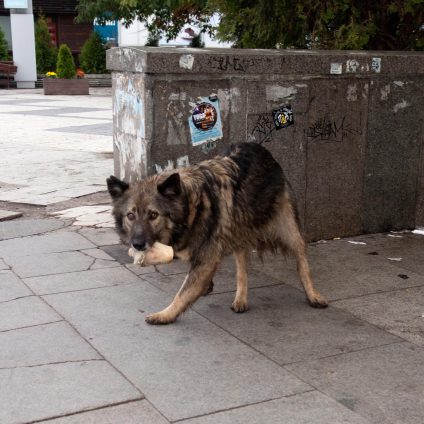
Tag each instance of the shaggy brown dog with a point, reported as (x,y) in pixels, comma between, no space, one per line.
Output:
(230,204)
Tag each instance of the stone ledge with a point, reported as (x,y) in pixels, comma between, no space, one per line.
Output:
(162,60)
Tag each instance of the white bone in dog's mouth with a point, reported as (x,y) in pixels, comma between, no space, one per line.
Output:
(157,254)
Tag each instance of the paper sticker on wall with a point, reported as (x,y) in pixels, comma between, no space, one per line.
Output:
(336,68)
(205,122)
(283,117)
(376,64)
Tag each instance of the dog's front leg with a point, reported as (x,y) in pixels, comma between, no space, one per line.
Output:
(195,285)
(240,301)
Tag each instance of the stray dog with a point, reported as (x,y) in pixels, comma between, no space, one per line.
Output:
(229,204)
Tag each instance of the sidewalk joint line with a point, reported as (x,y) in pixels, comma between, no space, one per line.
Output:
(242,406)
(70,414)
(31,326)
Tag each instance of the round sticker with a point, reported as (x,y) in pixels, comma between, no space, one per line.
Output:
(204,116)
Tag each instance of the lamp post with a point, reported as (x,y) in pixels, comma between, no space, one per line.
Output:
(23,41)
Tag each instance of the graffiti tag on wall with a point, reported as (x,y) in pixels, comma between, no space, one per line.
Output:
(233,63)
(333,129)
(263,129)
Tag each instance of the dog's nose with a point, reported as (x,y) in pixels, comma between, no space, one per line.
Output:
(140,245)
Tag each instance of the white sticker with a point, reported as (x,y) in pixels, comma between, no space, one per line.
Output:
(336,69)
(376,64)
(187,61)
(352,65)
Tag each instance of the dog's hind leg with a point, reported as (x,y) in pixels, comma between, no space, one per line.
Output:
(315,299)
(195,285)
(240,302)
(292,240)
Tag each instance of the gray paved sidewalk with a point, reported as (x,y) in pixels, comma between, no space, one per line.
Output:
(74,347)
(54,148)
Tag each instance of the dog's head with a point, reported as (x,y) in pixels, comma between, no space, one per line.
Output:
(148,211)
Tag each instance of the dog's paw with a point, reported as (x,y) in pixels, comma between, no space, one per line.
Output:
(159,318)
(318,301)
(239,306)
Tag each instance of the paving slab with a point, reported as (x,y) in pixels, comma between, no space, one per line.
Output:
(36,393)
(100,236)
(60,241)
(382,384)
(342,270)
(136,412)
(400,312)
(224,280)
(98,254)
(40,145)
(11,287)
(6,215)
(28,227)
(119,252)
(141,270)
(408,246)
(25,312)
(81,280)
(305,408)
(177,266)
(97,215)
(51,263)
(281,325)
(43,344)
(102,263)
(186,369)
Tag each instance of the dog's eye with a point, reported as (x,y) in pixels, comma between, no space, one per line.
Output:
(153,215)
(130,216)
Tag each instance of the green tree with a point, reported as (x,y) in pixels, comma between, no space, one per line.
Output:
(45,52)
(65,67)
(93,55)
(4,53)
(160,17)
(197,41)
(330,24)
(152,39)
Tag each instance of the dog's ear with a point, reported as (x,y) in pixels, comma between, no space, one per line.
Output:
(171,187)
(116,187)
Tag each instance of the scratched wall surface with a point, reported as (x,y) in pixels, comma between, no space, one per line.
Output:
(392,161)
(336,137)
(288,145)
(129,135)
(173,104)
(354,155)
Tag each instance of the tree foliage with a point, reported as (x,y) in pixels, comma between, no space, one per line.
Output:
(161,17)
(4,53)
(65,67)
(330,24)
(153,39)
(93,55)
(45,52)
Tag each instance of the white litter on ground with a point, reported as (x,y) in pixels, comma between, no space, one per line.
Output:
(419,231)
(394,235)
(355,242)
(395,259)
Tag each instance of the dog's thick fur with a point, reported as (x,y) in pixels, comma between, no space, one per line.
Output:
(230,204)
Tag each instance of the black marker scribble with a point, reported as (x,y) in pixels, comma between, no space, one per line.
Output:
(263,129)
(332,129)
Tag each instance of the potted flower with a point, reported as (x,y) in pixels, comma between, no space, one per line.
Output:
(65,80)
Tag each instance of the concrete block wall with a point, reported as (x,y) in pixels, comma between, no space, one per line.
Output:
(354,154)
